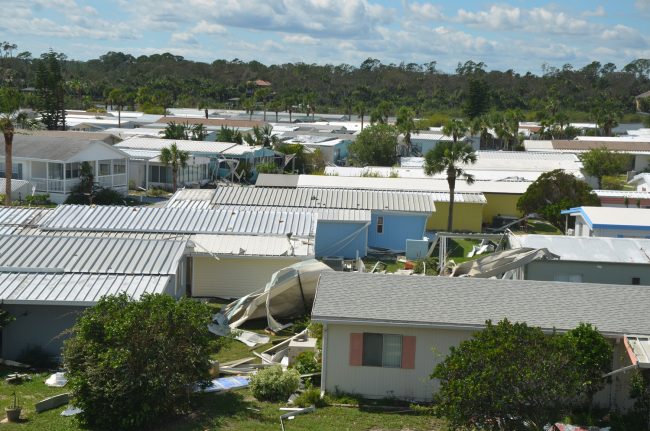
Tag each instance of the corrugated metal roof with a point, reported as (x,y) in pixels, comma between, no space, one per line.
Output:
(324,214)
(74,289)
(326,198)
(436,302)
(21,216)
(178,220)
(90,254)
(245,245)
(632,194)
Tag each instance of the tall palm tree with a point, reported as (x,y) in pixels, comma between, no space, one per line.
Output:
(276,106)
(249,106)
(406,125)
(450,157)
(9,105)
(361,110)
(175,158)
(288,102)
(175,131)
(118,97)
(262,95)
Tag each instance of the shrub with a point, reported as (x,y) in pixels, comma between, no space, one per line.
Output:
(273,384)
(429,263)
(42,199)
(306,363)
(131,363)
(311,397)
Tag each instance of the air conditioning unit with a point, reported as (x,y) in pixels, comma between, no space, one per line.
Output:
(334,262)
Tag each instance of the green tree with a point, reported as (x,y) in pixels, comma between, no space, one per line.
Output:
(262,96)
(175,130)
(361,111)
(130,364)
(118,98)
(599,162)
(592,355)
(405,124)
(9,106)
(262,136)
(310,104)
(478,98)
(227,134)
(449,157)
(376,145)
(607,114)
(288,102)
(553,192)
(175,158)
(507,374)
(198,132)
(163,99)
(50,91)
(276,106)
(249,106)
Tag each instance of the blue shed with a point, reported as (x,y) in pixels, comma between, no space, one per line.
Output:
(348,239)
(390,230)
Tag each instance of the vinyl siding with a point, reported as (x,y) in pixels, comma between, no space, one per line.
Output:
(341,239)
(397,229)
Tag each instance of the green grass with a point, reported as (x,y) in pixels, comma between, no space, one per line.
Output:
(542,227)
(229,411)
(390,265)
(457,249)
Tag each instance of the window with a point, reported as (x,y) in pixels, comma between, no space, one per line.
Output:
(573,278)
(104,167)
(380,224)
(16,171)
(636,280)
(72,170)
(119,167)
(382,350)
(55,171)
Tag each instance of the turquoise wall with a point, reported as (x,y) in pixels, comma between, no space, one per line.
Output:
(398,227)
(335,238)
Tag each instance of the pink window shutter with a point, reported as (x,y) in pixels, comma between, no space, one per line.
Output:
(356,349)
(408,352)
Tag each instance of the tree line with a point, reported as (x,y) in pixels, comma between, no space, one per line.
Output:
(159,81)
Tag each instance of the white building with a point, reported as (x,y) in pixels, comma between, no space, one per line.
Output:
(610,221)
(52,162)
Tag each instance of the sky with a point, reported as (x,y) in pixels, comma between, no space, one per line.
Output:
(519,35)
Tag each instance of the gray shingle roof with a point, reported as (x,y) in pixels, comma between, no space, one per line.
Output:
(468,303)
(44,147)
(313,197)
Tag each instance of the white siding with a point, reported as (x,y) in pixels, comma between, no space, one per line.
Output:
(431,348)
(234,277)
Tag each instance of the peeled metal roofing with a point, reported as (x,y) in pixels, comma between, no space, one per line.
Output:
(21,216)
(248,245)
(74,289)
(312,197)
(89,254)
(178,220)
(211,147)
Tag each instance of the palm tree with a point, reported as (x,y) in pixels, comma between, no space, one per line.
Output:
(175,131)
(249,106)
(199,132)
(9,105)
(360,109)
(175,158)
(262,95)
(607,115)
(288,105)
(406,125)
(348,104)
(310,104)
(118,97)
(276,106)
(226,134)
(450,156)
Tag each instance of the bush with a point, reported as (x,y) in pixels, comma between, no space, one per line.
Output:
(306,363)
(131,363)
(509,373)
(42,199)
(311,397)
(430,264)
(108,197)
(273,384)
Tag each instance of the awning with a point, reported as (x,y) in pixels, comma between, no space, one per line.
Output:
(501,262)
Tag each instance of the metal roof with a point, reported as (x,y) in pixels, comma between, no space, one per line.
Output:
(178,220)
(74,289)
(89,254)
(211,147)
(588,249)
(632,194)
(57,148)
(313,197)
(613,217)
(324,214)
(248,245)
(394,184)
(466,303)
(21,216)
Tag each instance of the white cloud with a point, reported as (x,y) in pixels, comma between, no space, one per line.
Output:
(426,11)
(299,39)
(184,38)
(642,4)
(205,27)
(599,11)
(498,17)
